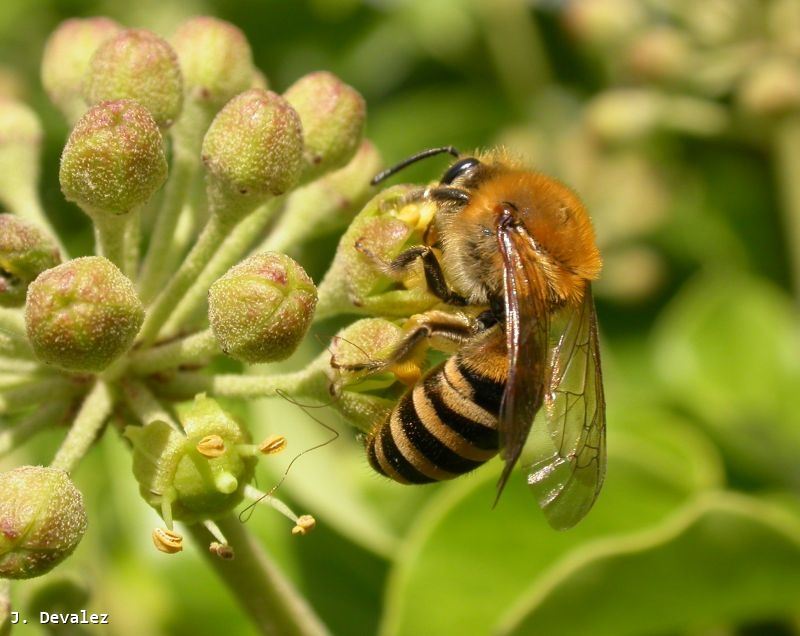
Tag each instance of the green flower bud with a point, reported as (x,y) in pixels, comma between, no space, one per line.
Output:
(333,116)
(25,252)
(354,282)
(42,520)
(114,159)
(137,64)
(363,341)
(177,479)
(20,145)
(83,314)
(66,59)
(772,88)
(253,150)
(261,308)
(215,59)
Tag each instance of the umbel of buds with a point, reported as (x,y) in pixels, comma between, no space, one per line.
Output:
(25,252)
(261,309)
(83,314)
(137,64)
(114,159)
(42,520)
(197,475)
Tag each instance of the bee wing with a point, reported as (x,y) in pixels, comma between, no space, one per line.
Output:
(526,342)
(567,475)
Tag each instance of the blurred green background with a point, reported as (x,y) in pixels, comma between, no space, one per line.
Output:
(678,122)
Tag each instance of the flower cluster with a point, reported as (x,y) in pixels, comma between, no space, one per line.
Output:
(196,178)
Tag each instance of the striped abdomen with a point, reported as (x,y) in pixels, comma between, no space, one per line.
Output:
(445,426)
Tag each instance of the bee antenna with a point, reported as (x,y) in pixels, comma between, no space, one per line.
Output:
(430,152)
(245,514)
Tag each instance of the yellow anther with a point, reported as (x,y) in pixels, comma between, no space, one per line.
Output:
(211,446)
(167,541)
(305,524)
(272,445)
(222,550)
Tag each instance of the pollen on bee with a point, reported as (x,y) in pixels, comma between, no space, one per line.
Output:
(407,372)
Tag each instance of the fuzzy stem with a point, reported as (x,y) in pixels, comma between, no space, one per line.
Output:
(786,145)
(13,365)
(209,240)
(38,391)
(88,422)
(299,384)
(145,405)
(25,429)
(12,323)
(189,350)
(110,236)
(230,252)
(154,271)
(272,602)
(133,235)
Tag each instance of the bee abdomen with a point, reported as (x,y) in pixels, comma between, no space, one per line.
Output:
(440,429)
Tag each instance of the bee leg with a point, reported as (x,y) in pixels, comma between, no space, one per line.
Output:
(432,324)
(398,268)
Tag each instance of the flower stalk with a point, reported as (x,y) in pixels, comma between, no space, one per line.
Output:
(270,599)
(88,422)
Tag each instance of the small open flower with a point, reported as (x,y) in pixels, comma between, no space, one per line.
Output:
(261,309)
(83,314)
(42,520)
(25,252)
(181,481)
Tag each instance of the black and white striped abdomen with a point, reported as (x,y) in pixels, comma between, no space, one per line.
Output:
(443,427)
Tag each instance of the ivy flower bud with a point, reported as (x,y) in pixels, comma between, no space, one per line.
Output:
(215,59)
(25,252)
(333,116)
(252,151)
(20,145)
(83,314)
(137,64)
(177,479)
(261,308)
(66,59)
(114,159)
(42,520)
(354,282)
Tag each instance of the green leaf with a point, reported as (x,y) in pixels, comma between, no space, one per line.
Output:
(463,563)
(728,350)
(722,559)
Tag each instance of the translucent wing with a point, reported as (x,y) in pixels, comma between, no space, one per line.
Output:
(526,317)
(570,450)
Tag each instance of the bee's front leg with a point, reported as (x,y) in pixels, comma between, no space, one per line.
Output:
(398,268)
(421,329)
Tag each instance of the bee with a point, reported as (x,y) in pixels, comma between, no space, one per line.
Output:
(511,255)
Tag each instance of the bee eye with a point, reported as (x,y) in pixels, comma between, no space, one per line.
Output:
(459,169)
